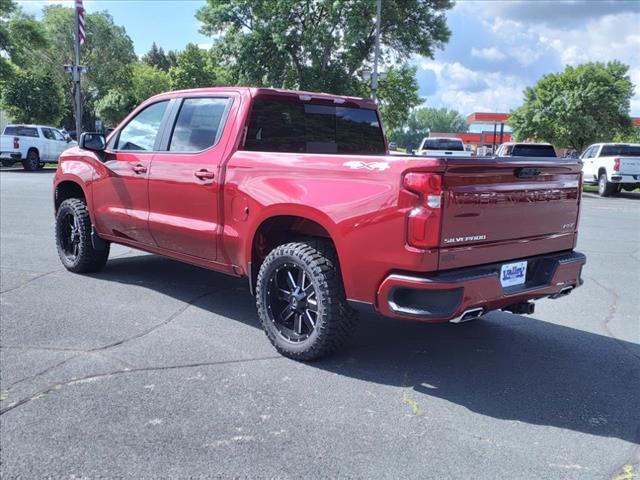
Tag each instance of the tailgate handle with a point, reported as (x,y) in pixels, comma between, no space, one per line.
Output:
(528,172)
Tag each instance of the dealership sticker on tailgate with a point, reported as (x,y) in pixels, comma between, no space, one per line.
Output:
(513,274)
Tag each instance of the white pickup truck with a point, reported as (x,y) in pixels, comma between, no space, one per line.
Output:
(442,147)
(612,166)
(32,145)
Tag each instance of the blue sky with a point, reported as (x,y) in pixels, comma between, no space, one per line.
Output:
(497,48)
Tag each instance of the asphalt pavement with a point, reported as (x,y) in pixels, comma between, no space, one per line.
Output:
(155,369)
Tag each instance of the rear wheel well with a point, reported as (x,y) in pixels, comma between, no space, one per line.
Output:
(66,190)
(34,149)
(601,171)
(277,231)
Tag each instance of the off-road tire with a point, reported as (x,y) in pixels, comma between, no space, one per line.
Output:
(606,188)
(32,162)
(335,320)
(88,259)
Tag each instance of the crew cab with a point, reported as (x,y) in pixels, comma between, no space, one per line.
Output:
(612,166)
(441,146)
(32,145)
(297,192)
(513,149)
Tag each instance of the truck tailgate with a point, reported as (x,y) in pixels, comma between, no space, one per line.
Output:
(498,209)
(629,166)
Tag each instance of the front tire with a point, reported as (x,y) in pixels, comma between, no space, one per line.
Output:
(32,162)
(606,188)
(73,238)
(301,300)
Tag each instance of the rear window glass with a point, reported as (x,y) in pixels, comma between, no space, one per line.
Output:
(533,151)
(443,144)
(620,150)
(199,124)
(286,125)
(25,132)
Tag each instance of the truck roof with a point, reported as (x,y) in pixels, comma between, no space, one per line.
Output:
(256,91)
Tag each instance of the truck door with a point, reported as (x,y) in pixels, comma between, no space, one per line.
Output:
(120,191)
(184,180)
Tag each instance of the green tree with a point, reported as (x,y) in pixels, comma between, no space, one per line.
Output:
(156,57)
(148,81)
(321,45)
(630,136)
(108,55)
(194,68)
(31,97)
(113,107)
(577,107)
(398,94)
(20,34)
(424,120)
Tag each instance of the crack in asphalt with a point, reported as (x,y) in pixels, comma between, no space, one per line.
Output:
(45,274)
(612,311)
(102,349)
(88,378)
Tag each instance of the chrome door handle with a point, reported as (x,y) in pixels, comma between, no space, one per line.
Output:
(139,168)
(204,174)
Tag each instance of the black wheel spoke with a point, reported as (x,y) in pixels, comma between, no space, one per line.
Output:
(293,304)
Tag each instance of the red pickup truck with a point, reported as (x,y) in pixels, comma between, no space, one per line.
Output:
(297,192)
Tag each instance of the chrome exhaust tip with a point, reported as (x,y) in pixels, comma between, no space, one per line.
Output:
(563,292)
(468,315)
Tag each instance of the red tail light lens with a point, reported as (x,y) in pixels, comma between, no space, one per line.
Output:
(423,223)
(616,164)
(16,142)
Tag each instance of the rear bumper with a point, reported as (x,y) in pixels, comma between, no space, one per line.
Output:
(446,295)
(10,156)
(624,178)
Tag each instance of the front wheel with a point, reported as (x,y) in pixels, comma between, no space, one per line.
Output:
(605,188)
(301,300)
(73,238)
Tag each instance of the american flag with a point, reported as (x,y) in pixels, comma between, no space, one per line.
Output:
(80,12)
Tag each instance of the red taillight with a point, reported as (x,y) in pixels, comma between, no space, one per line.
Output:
(423,223)
(616,164)
(16,142)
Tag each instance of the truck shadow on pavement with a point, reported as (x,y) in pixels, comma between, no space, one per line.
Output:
(504,366)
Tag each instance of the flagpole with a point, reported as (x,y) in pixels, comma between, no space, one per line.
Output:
(76,75)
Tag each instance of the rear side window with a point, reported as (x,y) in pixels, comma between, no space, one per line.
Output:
(199,124)
(289,125)
(620,150)
(533,151)
(141,131)
(10,130)
(27,132)
(443,144)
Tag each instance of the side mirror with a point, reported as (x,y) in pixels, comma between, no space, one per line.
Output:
(67,138)
(93,141)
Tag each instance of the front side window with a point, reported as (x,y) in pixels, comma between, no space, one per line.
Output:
(141,132)
(48,134)
(57,135)
(290,125)
(199,124)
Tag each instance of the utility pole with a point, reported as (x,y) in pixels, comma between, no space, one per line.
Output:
(376,53)
(76,75)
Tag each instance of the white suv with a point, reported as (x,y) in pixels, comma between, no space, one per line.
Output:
(33,145)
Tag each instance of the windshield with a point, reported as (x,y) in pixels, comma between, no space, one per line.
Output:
(533,151)
(620,150)
(443,144)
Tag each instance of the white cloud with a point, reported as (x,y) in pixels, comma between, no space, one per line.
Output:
(468,91)
(491,54)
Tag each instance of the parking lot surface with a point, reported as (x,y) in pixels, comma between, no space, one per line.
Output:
(155,369)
